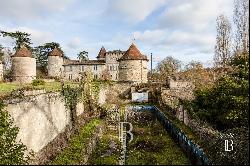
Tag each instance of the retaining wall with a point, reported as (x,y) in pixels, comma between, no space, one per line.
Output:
(40,118)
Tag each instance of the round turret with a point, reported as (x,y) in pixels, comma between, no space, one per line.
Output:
(55,63)
(23,66)
(133,66)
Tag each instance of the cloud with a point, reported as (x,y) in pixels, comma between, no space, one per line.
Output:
(195,15)
(150,36)
(187,39)
(134,10)
(37,37)
(74,43)
(31,9)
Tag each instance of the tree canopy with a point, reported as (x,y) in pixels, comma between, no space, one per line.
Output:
(42,52)
(21,38)
(83,55)
(168,67)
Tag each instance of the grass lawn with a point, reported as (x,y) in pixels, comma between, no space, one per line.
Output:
(6,88)
(73,154)
(102,147)
(152,145)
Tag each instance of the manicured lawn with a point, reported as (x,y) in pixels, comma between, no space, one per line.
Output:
(73,154)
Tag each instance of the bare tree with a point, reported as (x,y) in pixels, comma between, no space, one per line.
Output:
(223,41)
(5,57)
(168,67)
(241,21)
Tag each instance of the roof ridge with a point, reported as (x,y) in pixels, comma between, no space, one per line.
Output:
(133,53)
(23,51)
(55,52)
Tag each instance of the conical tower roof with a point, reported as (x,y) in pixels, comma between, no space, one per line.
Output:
(55,52)
(102,53)
(133,54)
(23,51)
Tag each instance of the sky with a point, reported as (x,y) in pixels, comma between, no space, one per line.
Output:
(183,29)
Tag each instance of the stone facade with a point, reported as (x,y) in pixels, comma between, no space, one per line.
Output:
(55,66)
(24,69)
(133,71)
(74,71)
(112,64)
(23,66)
(133,66)
(55,63)
(117,65)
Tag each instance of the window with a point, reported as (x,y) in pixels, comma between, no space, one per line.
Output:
(70,76)
(70,68)
(95,76)
(110,68)
(95,67)
(82,68)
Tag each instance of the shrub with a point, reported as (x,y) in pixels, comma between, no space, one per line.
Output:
(226,104)
(11,152)
(38,82)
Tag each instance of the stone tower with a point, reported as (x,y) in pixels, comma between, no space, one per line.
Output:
(23,66)
(133,66)
(102,54)
(1,71)
(55,63)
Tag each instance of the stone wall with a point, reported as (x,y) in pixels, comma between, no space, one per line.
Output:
(55,67)
(133,71)
(1,71)
(180,85)
(40,118)
(24,69)
(112,64)
(113,93)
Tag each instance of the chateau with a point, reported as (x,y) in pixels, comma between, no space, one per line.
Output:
(124,66)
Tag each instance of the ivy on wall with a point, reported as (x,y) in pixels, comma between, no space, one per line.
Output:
(86,92)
